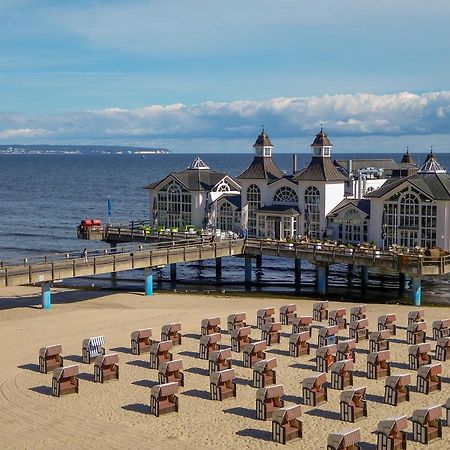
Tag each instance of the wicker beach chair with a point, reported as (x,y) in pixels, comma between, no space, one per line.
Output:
(288,313)
(209,343)
(222,385)
(220,360)
(298,345)
(443,349)
(254,352)
(159,353)
(441,328)
(358,313)
(391,433)
(140,341)
(264,316)
(271,333)
(337,317)
(378,341)
(344,440)
(286,425)
(210,326)
(106,368)
(346,350)
(240,337)
(353,405)
(163,399)
(50,358)
(65,380)
(325,357)
(416,333)
(418,355)
(416,316)
(342,374)
(387,322)
(236,321)
(426,424)
(428,378)
(396,389)
(91,348)
(378,365)
(264,373)
(302,323)
(268,400)
(171,332)
(358,330)
(314,390)
(327,335)
(320,311)
(171,372)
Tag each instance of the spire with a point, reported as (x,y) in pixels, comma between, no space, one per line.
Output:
(262,145)
(407,158)
(197,164)
(321,145)
(431,164)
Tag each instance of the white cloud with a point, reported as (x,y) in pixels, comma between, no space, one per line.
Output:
(343,115)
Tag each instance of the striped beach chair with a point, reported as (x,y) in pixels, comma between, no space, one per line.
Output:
(418,355)
(106,367)
(159,353)
(353,405)
(210,326)
(346,350)
(325,357)
(65,380)
(140,341)
(220,360)
(268,400)
(327,335)
(428,378)
(171,372)
(441,328)
(342,374)
(358,330)
(320,311)
(253,353)
(91,348)
(387,322)
(416,332)
(358,313)
(337,317)
(288,313)
(222,385)
(171,332)
(416,316)
(378,341)
(298,345)
(344,440)
(264,316)
(314,390)
(443,349)
(270,333)
(209,343)
(240,337)
(426,424)
(163,399)
(302,323)
(378,365)
(236,321)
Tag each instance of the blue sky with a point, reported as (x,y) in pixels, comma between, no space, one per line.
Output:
(152,72)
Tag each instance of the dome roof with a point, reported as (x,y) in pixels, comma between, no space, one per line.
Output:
(263,140)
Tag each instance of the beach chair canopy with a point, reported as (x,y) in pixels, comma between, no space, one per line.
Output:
(387,319)
(265,364)
(296,338)
(347,396)
(265,312)
(213,338)
(270,392)
(398,380)
(284,415)
(163,346)
(392,425)
(414,315)
(141,334)
(286,309)
(171,328)
(429,370)
(302,320)
(51,350)
(255,347)
(339,366)
(314,382)
(272,327)
(222,376)
(358,309)
(346,346)
(220,355)
(170,366)
(211,322)
(107,360)
(377,357)
(326,350)
(444,342)
(321,305)
(344,438)
(328,331)
(425,415)
(417,349)
(163,390)
(359,324)
(66,372)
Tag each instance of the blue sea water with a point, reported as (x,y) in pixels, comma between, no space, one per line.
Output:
(44,197)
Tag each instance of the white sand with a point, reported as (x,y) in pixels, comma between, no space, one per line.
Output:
(116,414)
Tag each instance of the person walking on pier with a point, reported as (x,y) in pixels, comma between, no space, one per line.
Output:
(84,255)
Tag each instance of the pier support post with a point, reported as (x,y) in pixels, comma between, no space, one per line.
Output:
(218,269)
(322,279)
(298,272)
(349,274)
(148,273)
(173,272)
(402,282)
(258,261)
(113,248)
(248,270)
(416,293)
(46,296)
(364,277)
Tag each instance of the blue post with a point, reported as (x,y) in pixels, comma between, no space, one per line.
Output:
(148,282)
(364,276)
(173,272)
(46,296)
(298,272)
(218,269)
(321,280)
(248,270)
(416,294)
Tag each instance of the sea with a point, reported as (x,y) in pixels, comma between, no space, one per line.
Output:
(43,197)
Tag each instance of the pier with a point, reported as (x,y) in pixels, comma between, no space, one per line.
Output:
(149,251)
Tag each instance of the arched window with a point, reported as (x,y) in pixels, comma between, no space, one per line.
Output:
(285,195)
(226,217)
(409,219)
(174,206)
(370,189)
(353,227)
(312,212)
(254,203)
(223,187)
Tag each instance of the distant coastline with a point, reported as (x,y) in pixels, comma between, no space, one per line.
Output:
(80,150)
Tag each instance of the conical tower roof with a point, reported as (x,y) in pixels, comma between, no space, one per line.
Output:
(262,140)
(431,164)
(407,158)
(321,140)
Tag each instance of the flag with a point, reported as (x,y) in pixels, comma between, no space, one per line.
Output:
(109,208)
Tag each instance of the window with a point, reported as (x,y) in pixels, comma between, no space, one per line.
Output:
(226,217)
(223,187)
(312,212)
(285,195)
(353,227)
(174,206)
(254,203)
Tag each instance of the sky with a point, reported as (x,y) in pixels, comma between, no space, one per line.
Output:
(203,75)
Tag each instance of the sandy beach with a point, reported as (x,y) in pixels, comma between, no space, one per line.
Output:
(116,414)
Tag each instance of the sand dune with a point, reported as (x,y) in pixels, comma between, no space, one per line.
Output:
(116,414)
